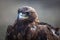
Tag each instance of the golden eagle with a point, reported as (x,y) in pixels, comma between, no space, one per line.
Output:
(28,27)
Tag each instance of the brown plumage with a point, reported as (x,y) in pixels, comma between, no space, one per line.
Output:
(27,27)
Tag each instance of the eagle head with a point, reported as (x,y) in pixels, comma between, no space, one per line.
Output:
(27,14)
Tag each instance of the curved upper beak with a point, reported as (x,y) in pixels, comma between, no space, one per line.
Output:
(22,16)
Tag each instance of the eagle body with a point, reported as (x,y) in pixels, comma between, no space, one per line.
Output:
(26,32)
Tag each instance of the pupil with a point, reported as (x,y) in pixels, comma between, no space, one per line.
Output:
(27,13)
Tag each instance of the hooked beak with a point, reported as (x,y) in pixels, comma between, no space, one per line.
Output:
(22,16)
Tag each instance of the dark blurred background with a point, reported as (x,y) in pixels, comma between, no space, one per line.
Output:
(48,11)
